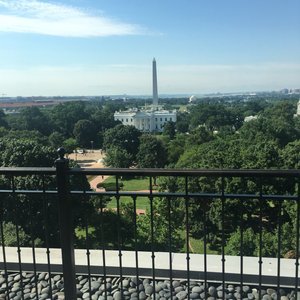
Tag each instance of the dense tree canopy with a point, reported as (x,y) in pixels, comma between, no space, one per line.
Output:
(117,157)
(85,133)
(210,134)
(124,137)
(214,116)
(152,152)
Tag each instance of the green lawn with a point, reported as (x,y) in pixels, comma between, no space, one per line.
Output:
(197,246)
(141,202)
(135,184)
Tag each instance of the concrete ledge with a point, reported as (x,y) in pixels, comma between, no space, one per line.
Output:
(162,265)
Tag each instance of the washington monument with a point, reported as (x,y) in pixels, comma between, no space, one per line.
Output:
(154,77)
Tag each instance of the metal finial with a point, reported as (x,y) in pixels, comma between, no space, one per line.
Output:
(61,152)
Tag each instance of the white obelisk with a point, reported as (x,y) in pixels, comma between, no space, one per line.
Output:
(154,77)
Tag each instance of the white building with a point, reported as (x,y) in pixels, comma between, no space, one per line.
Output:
(298,109)
(250,118)
(192,99)
(148,120)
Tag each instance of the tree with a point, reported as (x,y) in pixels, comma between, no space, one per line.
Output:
(25,153)
(56,139)
(84,132)
(3,122)
(233,245)
(254,107)
(275,123)
(214,116)
(152,153)
(183,122)
(231,152)
(123,137)
(169,129)
(260,154)
(103,119)
(199,136)
(290,155)
(117,157)
(64,116)
(31,208)
(162,222)
(32,135)
(70,145)
(175,148)
(31,118)
(10,237)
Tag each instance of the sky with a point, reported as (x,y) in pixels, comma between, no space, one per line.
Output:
(90,48)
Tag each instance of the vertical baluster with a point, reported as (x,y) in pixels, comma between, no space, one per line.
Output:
(103,246)
(46,230)
(3,248)
(152,234)
(297,241)
(278,248)
(33,248)
(242,245)
(205,249)
(15,197)
(136,244)
(170,244)
(223,235)
(119,234)
(87,243)
(260,236)
(187,231)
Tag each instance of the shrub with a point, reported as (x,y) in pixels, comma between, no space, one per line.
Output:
(109,186)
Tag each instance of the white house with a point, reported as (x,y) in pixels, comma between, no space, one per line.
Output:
(150,119)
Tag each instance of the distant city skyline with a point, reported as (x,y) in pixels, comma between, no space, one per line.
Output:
(85,47)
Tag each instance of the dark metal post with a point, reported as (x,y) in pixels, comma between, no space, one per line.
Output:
(66,226)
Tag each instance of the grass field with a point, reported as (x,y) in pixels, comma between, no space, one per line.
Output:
(141,202)
(139,184)
(196,245)
(134,184)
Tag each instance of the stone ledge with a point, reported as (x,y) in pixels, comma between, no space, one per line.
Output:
(162,267)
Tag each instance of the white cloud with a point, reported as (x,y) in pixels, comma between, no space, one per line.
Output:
(34,16)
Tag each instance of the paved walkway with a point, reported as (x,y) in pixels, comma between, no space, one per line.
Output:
(94,160)
(91,159)
(95,181)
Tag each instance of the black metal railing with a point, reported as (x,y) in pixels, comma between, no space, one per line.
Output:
(43,205)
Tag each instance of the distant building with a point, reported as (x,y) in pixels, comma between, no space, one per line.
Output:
(250,118)
(146,120)
(297,114)
(192,99)
(150,119)
(284,91)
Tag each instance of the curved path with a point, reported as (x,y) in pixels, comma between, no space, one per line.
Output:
(94,160)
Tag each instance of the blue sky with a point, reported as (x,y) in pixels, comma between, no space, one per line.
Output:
(84,47)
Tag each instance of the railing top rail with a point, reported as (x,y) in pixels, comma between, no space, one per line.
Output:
(153,172)
(185,172)
(27,171)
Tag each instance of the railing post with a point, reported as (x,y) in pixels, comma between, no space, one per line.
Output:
(66,225)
